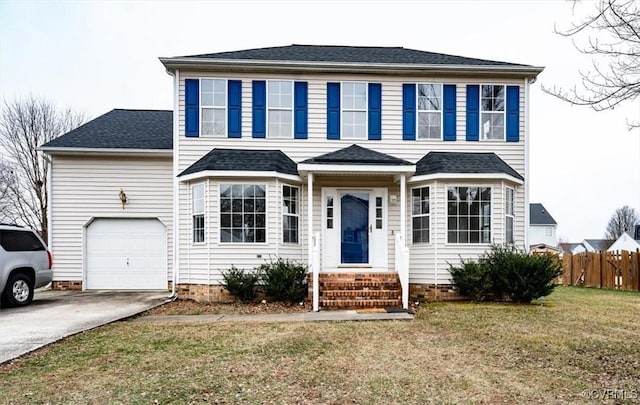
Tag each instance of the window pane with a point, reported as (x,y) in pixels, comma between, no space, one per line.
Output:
(260,235)
(225,220)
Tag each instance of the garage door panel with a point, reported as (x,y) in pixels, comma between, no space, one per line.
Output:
(126,254)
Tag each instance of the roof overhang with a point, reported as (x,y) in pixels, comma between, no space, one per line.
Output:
(516,71)
(105,151)
(236,174)
(354,169)
(466,176)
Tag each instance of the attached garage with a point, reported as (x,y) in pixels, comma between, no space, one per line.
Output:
(126,254)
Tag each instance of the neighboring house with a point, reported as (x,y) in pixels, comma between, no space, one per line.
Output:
(571,248)
(542,226)
(365,163)
(597,245)
(629,241)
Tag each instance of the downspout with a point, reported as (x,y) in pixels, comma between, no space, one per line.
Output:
(176,240)
(526,164)
(435,242)
(49,188)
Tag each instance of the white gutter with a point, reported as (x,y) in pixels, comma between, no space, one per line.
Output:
(176,241)
(50,150)
(465,176)
(232,173)
(358,67)
(355,168)
(527,174)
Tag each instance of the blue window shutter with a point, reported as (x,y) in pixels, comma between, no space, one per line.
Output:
(473,112)
(300,101)
(449,112)
(375,111)
(234,108)
(409,112)
(333,110)
(513,113)
(191,107)
(259,108)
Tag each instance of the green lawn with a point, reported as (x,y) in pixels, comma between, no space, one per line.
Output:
(577,340)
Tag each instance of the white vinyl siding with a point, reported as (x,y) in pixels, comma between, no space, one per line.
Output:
(87,187)
(429,263)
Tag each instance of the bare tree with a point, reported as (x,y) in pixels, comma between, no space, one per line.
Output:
(24,126)
(623,220)
(612,34)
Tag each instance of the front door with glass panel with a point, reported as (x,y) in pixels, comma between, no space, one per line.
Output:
(354,229)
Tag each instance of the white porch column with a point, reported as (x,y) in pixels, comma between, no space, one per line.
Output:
(403,208)
(311,243)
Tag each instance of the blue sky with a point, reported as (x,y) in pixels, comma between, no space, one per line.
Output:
(99,55)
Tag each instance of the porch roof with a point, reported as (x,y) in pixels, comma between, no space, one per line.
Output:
(464,163)
(235,162)
(356,159)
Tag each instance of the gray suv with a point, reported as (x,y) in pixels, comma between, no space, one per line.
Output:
(25,264)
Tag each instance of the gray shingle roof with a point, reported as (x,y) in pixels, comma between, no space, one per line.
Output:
(121,129)
(461,162)
(350,54)
(600,244)
(244,160)
(538,215)
(357,155)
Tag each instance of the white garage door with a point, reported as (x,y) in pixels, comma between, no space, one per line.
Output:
(126,254)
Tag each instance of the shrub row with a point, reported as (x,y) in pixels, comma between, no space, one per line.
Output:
(506,272)
(280,280)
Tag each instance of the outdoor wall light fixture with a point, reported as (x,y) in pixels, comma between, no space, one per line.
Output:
(123,197)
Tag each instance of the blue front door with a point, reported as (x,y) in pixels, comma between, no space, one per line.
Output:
(354,229)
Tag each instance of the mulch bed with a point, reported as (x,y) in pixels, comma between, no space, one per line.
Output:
(190,307)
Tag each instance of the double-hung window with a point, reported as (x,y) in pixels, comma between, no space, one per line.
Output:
(197,213)
(469,215)
(508,215)
(213,105)
(354,110)
(290,212)
(420,214)
(429,111)
(280,109)
(243,213)
(492,112)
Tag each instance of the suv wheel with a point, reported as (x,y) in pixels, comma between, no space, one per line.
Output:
(18,291)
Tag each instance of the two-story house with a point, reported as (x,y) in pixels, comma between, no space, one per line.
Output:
(368,164)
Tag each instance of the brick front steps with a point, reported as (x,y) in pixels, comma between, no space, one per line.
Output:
(359,290)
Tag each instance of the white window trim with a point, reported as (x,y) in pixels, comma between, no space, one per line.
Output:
(281,109)
(441,111)
(203,213)
(512,215)
(481,111)
(297,214)
(491,214)
(267,224)
(226,106)
(366,110)
(421,215)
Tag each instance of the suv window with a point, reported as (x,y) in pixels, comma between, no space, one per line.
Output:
(19,241)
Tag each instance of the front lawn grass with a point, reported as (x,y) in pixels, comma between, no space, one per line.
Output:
(576,341)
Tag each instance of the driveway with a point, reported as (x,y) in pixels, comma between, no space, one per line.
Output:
(54,315)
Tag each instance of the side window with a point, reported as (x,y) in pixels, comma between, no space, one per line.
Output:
(289,214)
(20,241)
(420,214)
(509,216)
(197,212)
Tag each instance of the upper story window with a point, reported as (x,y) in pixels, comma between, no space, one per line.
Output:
(197,213)
(243,213)
(213,107)
(354,110)
(280,109)
(469,214)
(492,112)
(429,111)
(509,216)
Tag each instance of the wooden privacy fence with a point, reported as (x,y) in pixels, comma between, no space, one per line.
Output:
(616,270)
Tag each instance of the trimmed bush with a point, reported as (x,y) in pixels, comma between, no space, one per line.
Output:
(284,280)
(506,271)
(471,279)
(240,283)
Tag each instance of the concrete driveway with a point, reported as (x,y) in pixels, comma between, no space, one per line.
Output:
(54,315)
